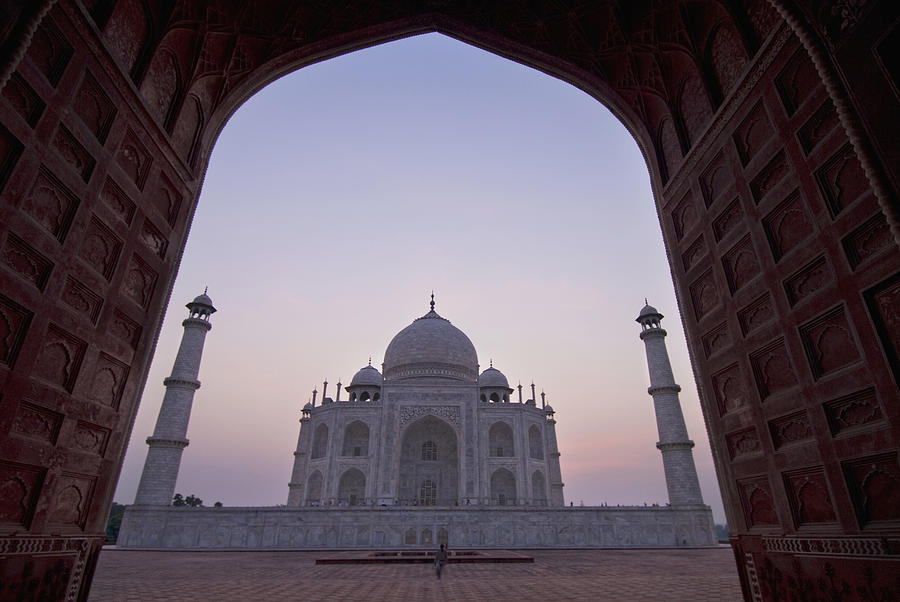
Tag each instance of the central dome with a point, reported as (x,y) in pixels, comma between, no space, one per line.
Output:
(431,347)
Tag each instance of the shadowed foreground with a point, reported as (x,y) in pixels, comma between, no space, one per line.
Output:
(702,574)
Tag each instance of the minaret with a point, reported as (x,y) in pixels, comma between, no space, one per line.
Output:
(556,483)
(298,474)
(678,459)
(168,441)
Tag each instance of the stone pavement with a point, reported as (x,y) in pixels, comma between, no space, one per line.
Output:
(556,575)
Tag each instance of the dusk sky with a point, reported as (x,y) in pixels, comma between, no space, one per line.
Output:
(339,196)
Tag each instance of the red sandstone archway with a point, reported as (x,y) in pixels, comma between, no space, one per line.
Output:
(771,144)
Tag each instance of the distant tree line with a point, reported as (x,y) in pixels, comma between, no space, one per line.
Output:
(114,523)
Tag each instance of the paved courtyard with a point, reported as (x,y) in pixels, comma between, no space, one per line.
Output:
(702,574)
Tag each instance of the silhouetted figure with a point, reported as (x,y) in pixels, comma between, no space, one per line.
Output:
(440,559)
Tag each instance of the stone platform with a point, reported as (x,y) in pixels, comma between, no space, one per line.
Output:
(426,556)
(405,528)
(558,575)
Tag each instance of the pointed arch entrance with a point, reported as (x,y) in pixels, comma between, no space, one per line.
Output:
(768,133)
(428,472)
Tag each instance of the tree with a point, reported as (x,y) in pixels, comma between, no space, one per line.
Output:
(193,501)
(217,505)
(114,522)
(178,500)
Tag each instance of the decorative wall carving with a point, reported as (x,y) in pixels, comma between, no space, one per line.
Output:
(809,497)
(716,340)
(162,84)
(10,150)
(72,499)
(772,369)
(829,342)
(704,294)
(134,158)
(793,428)
(22,97)
(771,175)
(716,179)
(109,381)
(753,133)
(14,323)
(853,412)
(694,253)
(37,422)
(757,314)
(139,282)
(884,306)
(729,390)
(19,488)
(812,278)
(797,81)
(412,413)
(744,442)
(90,438)
(874,484)
(94,107)
(49,51)
(816,129)
(60,358)
(730,220)
(756,501)
(82,299)
(168,199)
(741,265)
(124,328)
(684,216)
(101,248)
(126,33)
(788,225)
(27,263)
(153,239)
(73,152)
(188,128)
(51,204)
(869,240)
(117,201)
(842,180)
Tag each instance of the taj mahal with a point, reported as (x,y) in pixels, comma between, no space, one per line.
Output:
(429,450)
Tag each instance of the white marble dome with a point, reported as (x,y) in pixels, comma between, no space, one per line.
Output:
(431,347)
(493,378)
(368,376)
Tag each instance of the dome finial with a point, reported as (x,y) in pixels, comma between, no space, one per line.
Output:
(205,288)
(432,299)
(370,360)
(645,301)
(492,362)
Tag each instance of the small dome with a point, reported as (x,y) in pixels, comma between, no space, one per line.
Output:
(204,301)
(431,347)
(308,406)
(648,311)
(548,409)
(368,376)
(493,378)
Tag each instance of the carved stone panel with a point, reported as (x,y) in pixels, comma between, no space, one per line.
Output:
(117,201)
(829,343)
(730,220)
(49,51)
(10,150)
(168,199)
(816,129)
(51,204)
(139,282)
(125,329)
(728,387)
(23,99)
(90,438)
(797,80)
(811,279)
(793,428)
(868,241)
(694,254)
(741,265)
(854,412)
(757,314)
(753,133)
(874,484)
(842,180)
(809,497)
(25,261)
(772,369)
(82,299)
(60,358)
(771,175)
(20,485)
(37,422)
(94,107)
(134,158)
(884,306)
(704,295)
(716,179)
(14,323)
(72,151)
(153,239)
(744,442)
(716,340)
(756,501)
(684,216)
(109,381)
(73,493)
(788,225)
(101,248)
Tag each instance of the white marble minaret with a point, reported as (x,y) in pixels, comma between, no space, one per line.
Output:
(678,459)
(169,438)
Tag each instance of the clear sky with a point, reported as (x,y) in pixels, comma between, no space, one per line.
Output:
(340,195)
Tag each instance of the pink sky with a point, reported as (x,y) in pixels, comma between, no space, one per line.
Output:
(339,196)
